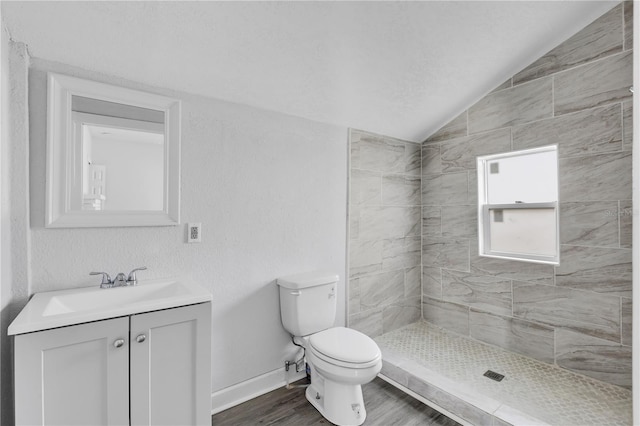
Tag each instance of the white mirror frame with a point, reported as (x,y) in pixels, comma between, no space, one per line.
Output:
(60,155)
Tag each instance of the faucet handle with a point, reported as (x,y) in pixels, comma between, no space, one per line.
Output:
(132,279)
(106,279)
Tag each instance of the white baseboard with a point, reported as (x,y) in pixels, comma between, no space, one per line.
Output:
(252,388)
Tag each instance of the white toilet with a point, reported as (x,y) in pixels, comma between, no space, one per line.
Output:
(341,359)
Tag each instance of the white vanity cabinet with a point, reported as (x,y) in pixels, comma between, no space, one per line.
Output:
(151,368)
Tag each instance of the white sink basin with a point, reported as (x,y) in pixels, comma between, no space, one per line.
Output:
(67,307)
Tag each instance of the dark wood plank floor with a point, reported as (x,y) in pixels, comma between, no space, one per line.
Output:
(385,404)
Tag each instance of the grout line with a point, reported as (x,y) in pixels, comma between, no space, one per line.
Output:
(467,114)
(623,28)
(553,96)
(621,321)
(618,219)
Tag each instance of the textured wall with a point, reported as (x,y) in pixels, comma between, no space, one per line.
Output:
(269,189)
(384,233)
(14,225)
(578,314)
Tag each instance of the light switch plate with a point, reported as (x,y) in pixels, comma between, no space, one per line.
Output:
(194,232)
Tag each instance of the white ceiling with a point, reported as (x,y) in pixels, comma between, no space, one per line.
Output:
(401,69)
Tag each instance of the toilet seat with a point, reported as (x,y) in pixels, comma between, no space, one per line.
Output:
(345,347)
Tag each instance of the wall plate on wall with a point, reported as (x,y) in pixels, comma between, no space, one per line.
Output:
(194,232)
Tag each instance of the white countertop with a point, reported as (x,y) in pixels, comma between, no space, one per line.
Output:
(61,308)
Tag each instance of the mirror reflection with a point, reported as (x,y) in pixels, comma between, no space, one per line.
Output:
(122,162)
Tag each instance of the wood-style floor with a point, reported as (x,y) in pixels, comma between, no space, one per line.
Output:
(385,404)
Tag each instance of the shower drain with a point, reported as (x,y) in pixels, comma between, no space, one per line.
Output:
(493,375)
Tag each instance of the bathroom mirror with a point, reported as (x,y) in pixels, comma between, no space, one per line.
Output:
(113,156)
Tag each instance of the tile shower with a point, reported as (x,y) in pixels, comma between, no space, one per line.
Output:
(413,226)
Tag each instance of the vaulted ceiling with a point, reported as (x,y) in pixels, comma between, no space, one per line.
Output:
(401,69)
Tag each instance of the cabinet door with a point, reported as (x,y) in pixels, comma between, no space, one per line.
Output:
(76,375)
(171,366)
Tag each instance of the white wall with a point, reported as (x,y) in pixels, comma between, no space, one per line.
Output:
(14,205)
(5,370)
(270,191)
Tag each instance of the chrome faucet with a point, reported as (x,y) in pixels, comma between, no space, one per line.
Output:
(121,280)
(131,278)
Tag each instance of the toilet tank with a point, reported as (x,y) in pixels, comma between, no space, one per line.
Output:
(308,302)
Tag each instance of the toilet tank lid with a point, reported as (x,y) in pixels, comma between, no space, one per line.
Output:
(307,279)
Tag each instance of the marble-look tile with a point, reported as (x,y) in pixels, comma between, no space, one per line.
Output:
(585,312)
(598,83)
(628,25)
(499,422)
(394,372)
(460,154)
(365,256)
(516,335)
(532,393)
(431,162)
(598,177)
(590,224)
(454,404)
(625,216)
(449,253)
(413,159)
(355,135)
(354,296)
(400,253)
(459,221)
(376,153)
(381,290)
(354,221)
(593,357)
(506,85)
(446,315)
(445,189)
(453,129)
(590,131)
(400,190)
(368,322)
(412,282)
(472,194)
(401,313)
(432,282)
(389,222)
(627,323)
(601,38)
(598,269)
(486,293)
(365,187)
(627,126)
(509,416)
(518,105)
(431,221)
(509,269)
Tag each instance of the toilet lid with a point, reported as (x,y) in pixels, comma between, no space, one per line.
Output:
(345,344)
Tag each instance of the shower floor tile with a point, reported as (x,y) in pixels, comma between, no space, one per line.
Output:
(449,369)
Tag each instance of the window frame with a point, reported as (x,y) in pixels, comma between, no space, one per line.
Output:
(484,208)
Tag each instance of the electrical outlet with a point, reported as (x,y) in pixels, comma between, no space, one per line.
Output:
(194,232)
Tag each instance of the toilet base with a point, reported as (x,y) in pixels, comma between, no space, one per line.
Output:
(339,403)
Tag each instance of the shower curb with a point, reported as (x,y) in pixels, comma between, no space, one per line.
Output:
(464,404)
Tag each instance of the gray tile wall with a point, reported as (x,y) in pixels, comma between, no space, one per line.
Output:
(576,315)
(384,233)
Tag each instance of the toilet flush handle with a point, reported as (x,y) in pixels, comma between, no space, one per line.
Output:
(296,293)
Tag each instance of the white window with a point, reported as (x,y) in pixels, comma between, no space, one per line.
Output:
(518,205)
